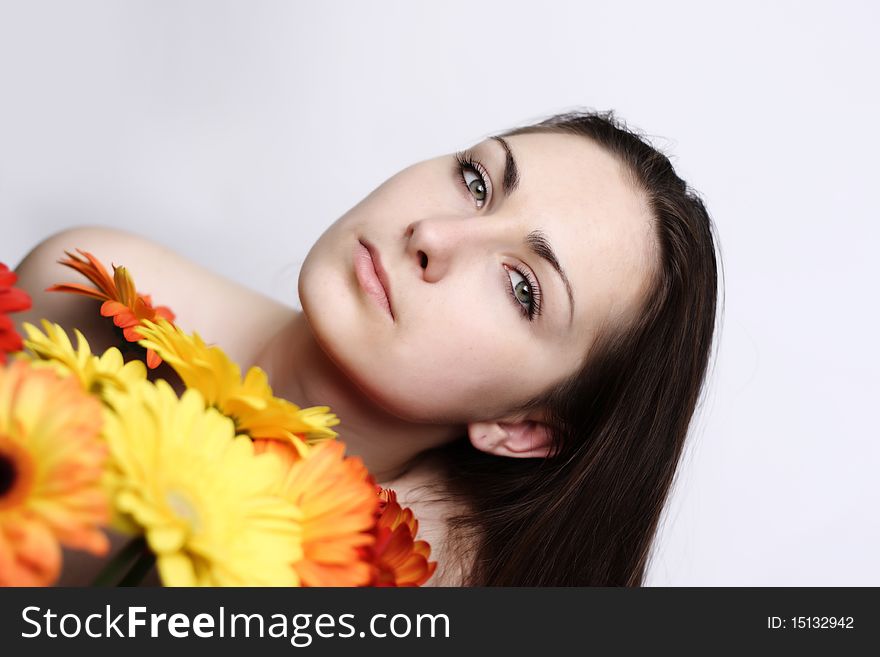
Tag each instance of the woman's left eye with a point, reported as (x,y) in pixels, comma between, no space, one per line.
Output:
(474,177)
(525,292)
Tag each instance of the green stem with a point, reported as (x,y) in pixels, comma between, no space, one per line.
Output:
(121,563)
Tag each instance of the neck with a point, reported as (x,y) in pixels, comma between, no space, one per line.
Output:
(300,371)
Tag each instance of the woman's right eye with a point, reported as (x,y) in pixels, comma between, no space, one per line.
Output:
(474,177)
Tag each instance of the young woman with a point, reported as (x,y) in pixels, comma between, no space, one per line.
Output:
(514,338)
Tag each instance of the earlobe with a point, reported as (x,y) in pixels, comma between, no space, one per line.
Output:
(523,439)
(485,436)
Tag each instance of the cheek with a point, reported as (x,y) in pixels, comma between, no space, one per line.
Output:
(456,371)
(458,353)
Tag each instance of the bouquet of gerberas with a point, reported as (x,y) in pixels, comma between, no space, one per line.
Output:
(222,485)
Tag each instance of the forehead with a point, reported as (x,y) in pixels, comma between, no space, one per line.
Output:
(597,221)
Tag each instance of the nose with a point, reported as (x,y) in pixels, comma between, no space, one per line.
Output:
(435,243)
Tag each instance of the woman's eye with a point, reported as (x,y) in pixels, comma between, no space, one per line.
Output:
(476,185)
(474,177)
(522,290)
(525,292)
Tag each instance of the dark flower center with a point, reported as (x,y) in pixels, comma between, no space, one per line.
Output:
(8,474)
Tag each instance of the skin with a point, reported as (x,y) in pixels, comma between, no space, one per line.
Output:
(458,355)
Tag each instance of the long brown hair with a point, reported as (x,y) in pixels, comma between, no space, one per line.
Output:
(587,514)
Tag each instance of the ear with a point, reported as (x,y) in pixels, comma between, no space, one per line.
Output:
(521,439)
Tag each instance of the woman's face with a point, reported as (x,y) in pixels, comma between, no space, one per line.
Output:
(478,321)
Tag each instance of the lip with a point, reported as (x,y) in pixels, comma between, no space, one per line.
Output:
(371,276)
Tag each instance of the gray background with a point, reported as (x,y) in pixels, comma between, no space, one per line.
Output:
(236,132)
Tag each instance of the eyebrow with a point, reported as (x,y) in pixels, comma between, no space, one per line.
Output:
(536,241)
(538,244)
(510,180)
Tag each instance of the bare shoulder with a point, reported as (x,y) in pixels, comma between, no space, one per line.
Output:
(220,310)
(452,568)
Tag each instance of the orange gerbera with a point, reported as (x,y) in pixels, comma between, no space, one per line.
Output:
(121,300)
(398,559)
(51,463)
(11,300)
(337,498)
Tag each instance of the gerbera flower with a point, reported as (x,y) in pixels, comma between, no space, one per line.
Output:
(250,403)
(51,463)
(399,559)
(200,494)
(94,373)
(121,300)
(336,497)
(11,300)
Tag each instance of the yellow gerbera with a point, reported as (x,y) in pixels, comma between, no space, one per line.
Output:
(200,494)
(250,403)
(338,501)
(95,373)
(51,463)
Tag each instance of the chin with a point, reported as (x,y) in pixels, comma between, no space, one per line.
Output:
(372,377)
(337,330)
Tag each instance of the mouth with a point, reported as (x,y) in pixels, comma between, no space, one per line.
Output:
(371,276)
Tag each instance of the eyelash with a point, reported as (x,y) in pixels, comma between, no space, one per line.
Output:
(467,161)
(534,308)
(464,161)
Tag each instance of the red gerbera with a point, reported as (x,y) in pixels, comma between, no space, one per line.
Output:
(121,300)
(398,559)
(11,300)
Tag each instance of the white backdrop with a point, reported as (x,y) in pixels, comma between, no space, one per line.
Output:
(236,132)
